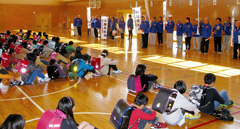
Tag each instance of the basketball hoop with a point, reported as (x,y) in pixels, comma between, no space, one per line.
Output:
(92,3)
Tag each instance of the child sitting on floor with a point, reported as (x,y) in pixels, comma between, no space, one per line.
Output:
(142,115)
(61,69)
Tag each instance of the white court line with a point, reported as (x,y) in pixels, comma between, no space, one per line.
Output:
(44,94)
(30,99)
(32,120)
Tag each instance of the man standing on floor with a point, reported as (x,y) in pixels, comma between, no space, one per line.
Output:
(153,31)
(227,28)
(179,27)
(187,29)
(130,26)
(217,34)
(169,27)
(79,25)
(160,30)
(236,40)
(196,37)
(206,35)
(95,26)
(75,25)
(145,30)
(99,25)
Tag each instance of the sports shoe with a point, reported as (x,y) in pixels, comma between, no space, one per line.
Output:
(46,79)
(157,86)
(231,103)
(159,125)
(97,74)
(117,71)
(192,117)
(15,82)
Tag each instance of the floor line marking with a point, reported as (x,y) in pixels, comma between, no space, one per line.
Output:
(30,99)
(32,120)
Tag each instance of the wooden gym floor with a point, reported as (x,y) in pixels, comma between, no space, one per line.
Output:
(96,98)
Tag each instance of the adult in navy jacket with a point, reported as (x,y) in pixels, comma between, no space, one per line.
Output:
(187,29)
(95,26)
(160,30)
(206,35)
(217,34)
(236,40)
(75,25)
(153,31)
(145,30)
(112,28)
(179,27)
(227,29)
(79,25)
(170,27)
(130,26)
(122,27)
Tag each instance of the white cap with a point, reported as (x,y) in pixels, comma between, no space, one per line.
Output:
(170,15)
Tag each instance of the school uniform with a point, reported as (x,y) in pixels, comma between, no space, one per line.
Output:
(75,26)
(179,35)
(170,28)
(153,33)
(236,40)
(187,29)
(122,28)
(196,38)
(160,32)
(206,33)
(79,26)
(217,37)
(145,27)
(130,27)
(227,28)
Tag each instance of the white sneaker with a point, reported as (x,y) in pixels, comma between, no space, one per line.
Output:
(46,79)
(116,72)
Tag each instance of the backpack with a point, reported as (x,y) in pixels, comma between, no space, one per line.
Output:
(223,114)
(74,66)
(53,72)
(49,120)
(197,94)
(165,100)
(121,114)
(4,59)
(52,56)
(96,62)
(134,84)
(21,66)
(17,49)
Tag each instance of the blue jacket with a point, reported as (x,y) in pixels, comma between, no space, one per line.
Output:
(188,29)
(236,33)
(113,26)
(170,26)
(122,24)
(145,26)
(98,23)
(179,29)
(153,28)
(227,28)
(116,20)
(83,67)
(195,27)
(219,32)
(74,22)
(160,26)
(130,23)
(79,22)
(200,30)
(206,30)
(94,23)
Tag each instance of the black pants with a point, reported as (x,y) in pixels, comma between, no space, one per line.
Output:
(88,32)
(130,34)
(79,31)
(235,52)
(122,35)
(160,38)
(217,44)
(114,67)
(145,40)
(204,45)
(188,43)
(96,32)
(111,36)
(86,72)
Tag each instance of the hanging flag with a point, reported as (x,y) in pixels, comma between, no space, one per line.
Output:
(89,18)
(104,27)
(164,13)
(137,19)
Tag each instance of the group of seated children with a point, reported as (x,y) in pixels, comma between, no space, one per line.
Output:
(30,55)
(182,108)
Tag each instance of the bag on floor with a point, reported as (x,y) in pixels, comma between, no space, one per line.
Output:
(134,84)
(52,56)
(21,66)
(197,95)
(49,120)
(17,49)
(223,114)
(53,72)
(164,101)
(121,114)
(96,63)
(74,66)
(5,58)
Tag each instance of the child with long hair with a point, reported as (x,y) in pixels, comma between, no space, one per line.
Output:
(13,121)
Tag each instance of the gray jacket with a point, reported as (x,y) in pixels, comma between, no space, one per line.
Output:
(31,66)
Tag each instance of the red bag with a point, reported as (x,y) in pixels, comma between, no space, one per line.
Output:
(5,58)
(96,62)
(21,66)
(49,120)
(17,49)
(53,56)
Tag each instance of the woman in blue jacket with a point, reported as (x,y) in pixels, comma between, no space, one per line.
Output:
(112,28)
(130,26)
(236,40)
(122,27)
(187,29)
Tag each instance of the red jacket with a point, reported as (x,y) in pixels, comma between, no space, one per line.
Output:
(7,60)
